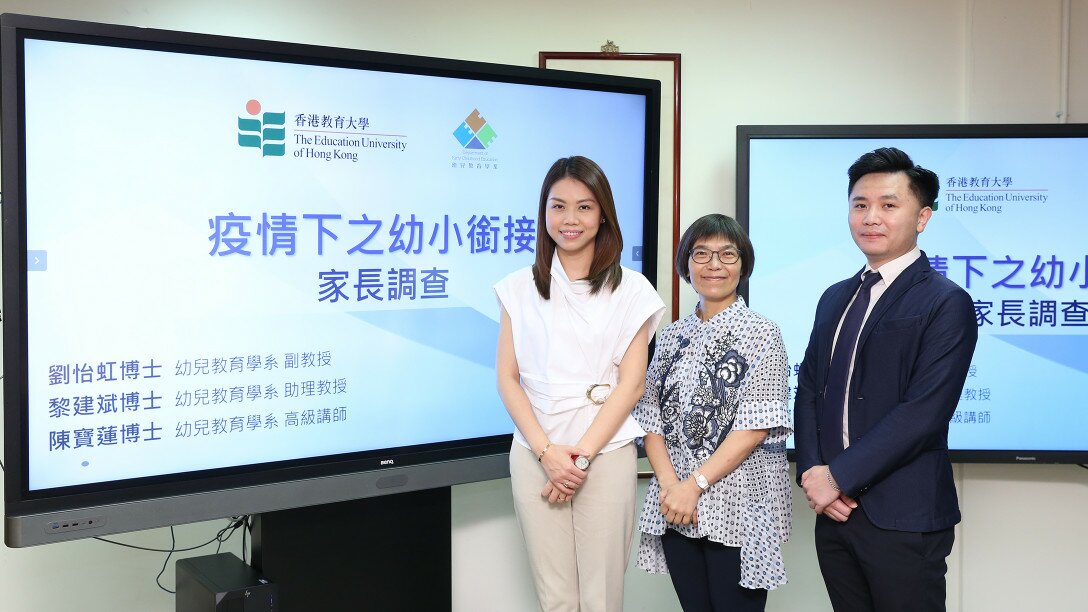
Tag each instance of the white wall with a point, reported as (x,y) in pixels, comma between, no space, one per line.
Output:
(1021,545)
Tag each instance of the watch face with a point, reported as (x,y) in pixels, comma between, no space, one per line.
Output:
(582,462)
(702,482)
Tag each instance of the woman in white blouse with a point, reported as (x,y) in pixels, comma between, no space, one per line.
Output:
(571,361)
(716,417)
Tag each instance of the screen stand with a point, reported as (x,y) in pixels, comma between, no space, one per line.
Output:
(390,552)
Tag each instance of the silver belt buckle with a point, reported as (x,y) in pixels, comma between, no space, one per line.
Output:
(593,387)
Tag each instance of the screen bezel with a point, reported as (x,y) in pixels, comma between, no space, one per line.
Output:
(748,133)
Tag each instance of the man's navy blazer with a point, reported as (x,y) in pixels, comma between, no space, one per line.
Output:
(910,365)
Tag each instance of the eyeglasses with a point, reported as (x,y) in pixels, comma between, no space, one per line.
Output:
(726,256)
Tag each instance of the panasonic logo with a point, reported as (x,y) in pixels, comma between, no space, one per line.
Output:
(1019,458)
(387,462)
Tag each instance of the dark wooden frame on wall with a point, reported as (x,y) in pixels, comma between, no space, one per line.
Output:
(545,56)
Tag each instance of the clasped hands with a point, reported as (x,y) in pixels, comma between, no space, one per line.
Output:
(823,497)
(680,502)
(563,478)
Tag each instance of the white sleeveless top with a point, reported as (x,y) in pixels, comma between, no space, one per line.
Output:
(569,347)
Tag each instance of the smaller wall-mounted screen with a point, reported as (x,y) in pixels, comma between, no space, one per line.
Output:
(1008,227)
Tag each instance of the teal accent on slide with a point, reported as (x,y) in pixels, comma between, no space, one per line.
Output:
(249,125)
(274,118)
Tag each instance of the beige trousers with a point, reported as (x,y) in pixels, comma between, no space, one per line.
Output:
(578,550)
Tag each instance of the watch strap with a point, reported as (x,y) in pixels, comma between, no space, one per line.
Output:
(700,480)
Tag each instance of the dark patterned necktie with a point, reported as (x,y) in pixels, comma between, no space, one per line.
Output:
(841,358)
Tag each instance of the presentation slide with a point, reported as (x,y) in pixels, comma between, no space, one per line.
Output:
(1009,228)
(234,262)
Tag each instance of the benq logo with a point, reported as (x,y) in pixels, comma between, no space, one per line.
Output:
(475,132)
(387,462)
(266,133)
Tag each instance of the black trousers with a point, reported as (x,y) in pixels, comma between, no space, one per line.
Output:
(706,576)
(867,568)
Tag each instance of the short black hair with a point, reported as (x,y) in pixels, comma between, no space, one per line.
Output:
(711,226)
(923,183)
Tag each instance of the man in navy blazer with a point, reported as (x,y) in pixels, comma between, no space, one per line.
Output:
(872,428)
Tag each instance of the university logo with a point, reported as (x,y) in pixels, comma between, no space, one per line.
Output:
(475,132)
(265,133)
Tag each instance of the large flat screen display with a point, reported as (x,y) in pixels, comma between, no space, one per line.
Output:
(230,264)
(1008,227)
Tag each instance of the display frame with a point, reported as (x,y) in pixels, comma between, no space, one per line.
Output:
(65,513)
(747,134)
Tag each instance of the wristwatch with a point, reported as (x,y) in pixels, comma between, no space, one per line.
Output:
(701,481)
(581,462)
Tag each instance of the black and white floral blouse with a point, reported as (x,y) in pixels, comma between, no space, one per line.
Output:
(706,379)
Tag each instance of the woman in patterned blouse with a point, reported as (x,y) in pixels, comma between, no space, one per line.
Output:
(716,415)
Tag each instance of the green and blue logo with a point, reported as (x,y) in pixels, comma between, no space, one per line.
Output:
(475,132)
(266,133)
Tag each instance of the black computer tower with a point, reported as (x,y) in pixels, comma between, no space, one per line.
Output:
(222,583)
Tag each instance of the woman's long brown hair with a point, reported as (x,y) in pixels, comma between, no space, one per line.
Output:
(608,244)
